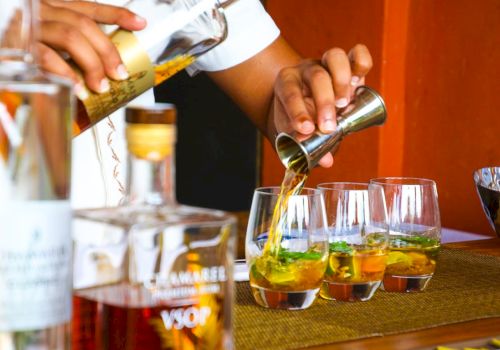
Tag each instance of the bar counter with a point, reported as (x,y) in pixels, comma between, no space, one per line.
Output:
(259,328)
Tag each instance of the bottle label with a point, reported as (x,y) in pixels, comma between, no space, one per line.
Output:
(141,78)
(35,264)
(143,75)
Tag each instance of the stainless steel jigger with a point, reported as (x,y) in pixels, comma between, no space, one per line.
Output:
(367,109)
(488,188)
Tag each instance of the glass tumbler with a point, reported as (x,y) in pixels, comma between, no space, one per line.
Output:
(287,259)
(415,232)
(358,239)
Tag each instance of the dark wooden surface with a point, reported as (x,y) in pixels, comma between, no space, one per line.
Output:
(441,335)
(242,217)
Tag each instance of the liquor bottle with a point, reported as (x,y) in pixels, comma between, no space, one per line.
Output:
(151,273)
(178,31)
(35,214)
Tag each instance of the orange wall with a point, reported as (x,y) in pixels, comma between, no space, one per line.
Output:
(437,66)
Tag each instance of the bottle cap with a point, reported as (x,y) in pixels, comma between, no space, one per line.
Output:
(157,113)
(150,131)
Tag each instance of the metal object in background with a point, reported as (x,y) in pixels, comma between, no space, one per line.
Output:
(488,188)
(367,109)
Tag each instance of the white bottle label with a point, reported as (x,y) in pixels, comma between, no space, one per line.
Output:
(35,264)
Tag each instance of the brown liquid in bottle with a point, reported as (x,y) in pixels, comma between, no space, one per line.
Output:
(139,325)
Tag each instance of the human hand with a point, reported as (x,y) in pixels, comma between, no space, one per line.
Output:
(71,27)
(306,95)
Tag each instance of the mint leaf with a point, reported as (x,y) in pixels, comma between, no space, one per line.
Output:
(286,256)
(414,240)
(340,247)
(255,272)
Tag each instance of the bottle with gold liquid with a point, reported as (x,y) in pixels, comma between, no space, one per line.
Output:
(177,32)
(35,215)
(151,273)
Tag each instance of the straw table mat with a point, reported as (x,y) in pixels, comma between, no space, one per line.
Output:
(466,286)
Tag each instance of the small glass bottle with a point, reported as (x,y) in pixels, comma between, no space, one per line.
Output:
(35,214)
(178,31)
(150,273)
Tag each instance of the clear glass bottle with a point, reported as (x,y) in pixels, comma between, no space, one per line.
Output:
(150,273)
(178,31)
(35,214)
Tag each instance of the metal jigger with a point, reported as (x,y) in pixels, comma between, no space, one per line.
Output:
(488,188)
(367,109)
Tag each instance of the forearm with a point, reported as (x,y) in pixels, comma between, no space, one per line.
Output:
(251,83)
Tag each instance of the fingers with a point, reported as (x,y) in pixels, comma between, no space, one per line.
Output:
(12,31)
(108,54)
(320,86)
(361,63)
(326,161)
(71,26)
(103,13)
(338,65)
(52,62)
(310,92)
(289,93)
(62,36)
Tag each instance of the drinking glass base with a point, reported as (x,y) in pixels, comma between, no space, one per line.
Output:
(405,284)
(348,291)
(285,300)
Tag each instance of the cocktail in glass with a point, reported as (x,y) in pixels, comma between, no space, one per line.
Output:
(358,238)
(415,232)
(286,248)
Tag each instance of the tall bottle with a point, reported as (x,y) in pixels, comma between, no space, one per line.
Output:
(150,273)
(178,31)
(35,214)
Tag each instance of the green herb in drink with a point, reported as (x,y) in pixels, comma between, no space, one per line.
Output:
(340,247)
(286,257)
(414,241)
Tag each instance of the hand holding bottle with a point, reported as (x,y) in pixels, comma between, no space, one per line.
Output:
(135,60)
(72,27)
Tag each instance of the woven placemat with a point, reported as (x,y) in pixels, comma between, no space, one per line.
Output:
(466,286)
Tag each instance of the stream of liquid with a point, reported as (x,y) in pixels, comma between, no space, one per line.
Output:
(115,165)
(292,185)
(99,157)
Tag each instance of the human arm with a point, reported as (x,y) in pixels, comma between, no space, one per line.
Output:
(277,89)
(280,91)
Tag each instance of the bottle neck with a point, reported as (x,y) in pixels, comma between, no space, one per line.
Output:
(151,182)
(18,26)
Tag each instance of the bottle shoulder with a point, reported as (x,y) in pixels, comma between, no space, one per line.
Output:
(141,216)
